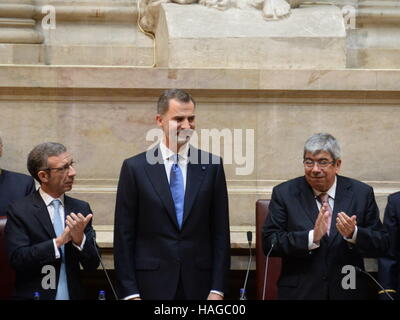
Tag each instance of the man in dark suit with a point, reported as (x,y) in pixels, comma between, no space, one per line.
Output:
(48,234)
(389,265)
(171,235)
(323,225)
(13,186)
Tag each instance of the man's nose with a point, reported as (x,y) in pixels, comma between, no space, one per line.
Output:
(316,167)
(185,124)
(71,171)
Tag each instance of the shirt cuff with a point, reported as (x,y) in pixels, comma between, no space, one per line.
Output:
(132,296)
(311,244)
(56,251)
(352,240)
(217,292)
(80,248)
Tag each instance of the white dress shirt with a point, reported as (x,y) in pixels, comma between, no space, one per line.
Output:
(169,157)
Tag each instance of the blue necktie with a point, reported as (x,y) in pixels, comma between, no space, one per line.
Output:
(177,190)
(62,288)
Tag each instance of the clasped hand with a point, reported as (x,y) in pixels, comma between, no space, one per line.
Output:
(74,230)
(345,225)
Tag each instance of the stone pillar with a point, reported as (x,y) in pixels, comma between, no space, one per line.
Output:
(84,32)
(375,42)
(17,24)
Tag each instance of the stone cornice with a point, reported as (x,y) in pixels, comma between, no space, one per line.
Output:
(378,12)
(16,10)
(75,77)
(117,11)
(17,24)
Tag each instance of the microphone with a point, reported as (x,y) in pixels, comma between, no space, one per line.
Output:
(102,265)
(379,285)
(249,240)
(274,240)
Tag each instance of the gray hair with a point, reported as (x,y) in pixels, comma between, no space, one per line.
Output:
(177,94)
(37,158)
(322,142)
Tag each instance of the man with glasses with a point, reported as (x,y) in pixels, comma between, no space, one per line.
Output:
(48,234)
(323,225)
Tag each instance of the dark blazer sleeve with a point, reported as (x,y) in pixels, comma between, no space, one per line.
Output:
(23,255)
(124,232)
(220,232)
(388,272)
(372,238)
(287,243)
(88,257)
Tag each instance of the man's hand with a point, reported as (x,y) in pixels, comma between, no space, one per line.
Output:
(321,225)
(77,224)
(64,238)
(346,225)
(215,296)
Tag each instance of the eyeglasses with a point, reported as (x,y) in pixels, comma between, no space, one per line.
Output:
(62,169)
(322,163)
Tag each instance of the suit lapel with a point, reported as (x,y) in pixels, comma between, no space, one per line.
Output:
(159,180)
(195,175)
(67,206)
(42,214)
(307,201)
(343,198)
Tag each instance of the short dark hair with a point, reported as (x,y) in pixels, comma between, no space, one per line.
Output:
(37,158)
(177,94)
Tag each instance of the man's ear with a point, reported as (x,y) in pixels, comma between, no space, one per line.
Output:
(159,119)
(338,164)
(43,176)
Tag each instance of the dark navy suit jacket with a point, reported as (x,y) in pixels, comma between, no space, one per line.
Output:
(13,186)
(151,253)
(389,264)
(29,243)
(318,273)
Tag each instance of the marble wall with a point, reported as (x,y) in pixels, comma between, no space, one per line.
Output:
(108,122)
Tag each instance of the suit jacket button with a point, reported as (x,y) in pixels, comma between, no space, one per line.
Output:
(324,278)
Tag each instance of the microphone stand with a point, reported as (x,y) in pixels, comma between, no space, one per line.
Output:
(273,241)
(249,240)
(102,265)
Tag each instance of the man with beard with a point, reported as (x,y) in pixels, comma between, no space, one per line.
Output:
(171,235)
(48,234)
(320,223)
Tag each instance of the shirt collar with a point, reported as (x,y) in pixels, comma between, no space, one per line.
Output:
(331,192)
(48,198)
(168,154)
